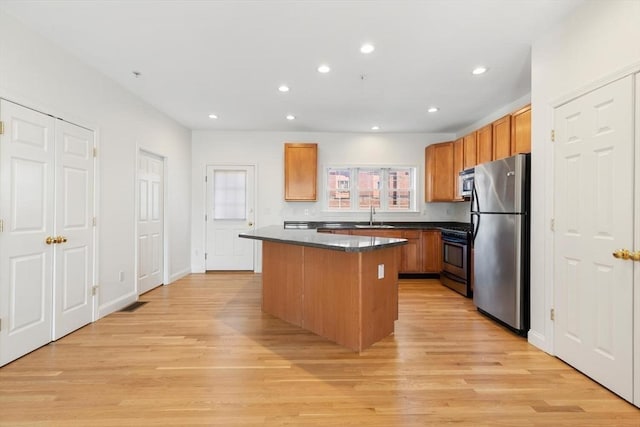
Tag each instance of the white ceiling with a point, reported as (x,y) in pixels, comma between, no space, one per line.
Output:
(229,57)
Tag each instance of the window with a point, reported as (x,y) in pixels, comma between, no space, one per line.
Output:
(352,189)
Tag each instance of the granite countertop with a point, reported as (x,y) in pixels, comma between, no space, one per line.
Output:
(429,225)
(310,237)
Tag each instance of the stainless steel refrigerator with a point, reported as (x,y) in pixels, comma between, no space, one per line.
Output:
(501,223)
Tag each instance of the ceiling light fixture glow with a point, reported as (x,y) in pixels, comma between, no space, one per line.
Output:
(324,69)
(283,88)
(432,109)
(375,127)
(479,70)
(367,48)
(213,116)
(291,117)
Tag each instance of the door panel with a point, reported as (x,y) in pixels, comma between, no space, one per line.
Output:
(150,221)
(74,221)
(230,211)
(26,200)
(593,199)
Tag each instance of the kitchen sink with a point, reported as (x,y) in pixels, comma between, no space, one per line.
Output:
(374,226)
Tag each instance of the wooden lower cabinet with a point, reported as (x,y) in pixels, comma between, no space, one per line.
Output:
(421,254)
(431,251)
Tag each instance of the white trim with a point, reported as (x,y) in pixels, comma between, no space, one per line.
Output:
(595,84)
(636,244)
(178,275)
(117,304)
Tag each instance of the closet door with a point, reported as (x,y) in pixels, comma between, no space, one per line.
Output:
(27,179)
(73,228)
(594,189)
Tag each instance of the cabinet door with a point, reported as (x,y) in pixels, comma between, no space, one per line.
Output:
(469,144)
(300,171)
(521,131)
(431,251)
(439,183)
(411,253)
(484,144)
(458,166)
(502,138)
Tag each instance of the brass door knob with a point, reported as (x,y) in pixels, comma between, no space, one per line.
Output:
(634,256)
(49,240)
(61,239)
(621,254)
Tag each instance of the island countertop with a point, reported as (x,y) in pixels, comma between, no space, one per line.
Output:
(310,237)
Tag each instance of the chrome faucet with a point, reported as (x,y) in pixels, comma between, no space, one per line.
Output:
(372,212)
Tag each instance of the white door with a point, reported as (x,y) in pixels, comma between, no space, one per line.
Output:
(74,228)
(230,211)
(150,221)
(593,202)
(26,201)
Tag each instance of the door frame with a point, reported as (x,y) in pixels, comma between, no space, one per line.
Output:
(257,264)
(165,240)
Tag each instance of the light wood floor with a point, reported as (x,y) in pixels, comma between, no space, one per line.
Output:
(201,352)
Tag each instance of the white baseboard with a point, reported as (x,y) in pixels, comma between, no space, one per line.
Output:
(179,275)
(538,340)
(116,305)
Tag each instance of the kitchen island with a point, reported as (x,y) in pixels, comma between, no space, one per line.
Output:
(341,287)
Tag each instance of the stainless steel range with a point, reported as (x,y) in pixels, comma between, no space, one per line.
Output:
(456,257)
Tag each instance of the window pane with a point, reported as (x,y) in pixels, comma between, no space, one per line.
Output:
(229,194)
(368,188)
(339,188)
(399,188)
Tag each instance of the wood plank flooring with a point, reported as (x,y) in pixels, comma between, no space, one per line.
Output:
(201,352)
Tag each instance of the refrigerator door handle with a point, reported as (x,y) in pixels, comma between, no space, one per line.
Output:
(474,227)
(474,200)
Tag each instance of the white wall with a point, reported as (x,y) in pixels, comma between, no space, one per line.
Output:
(40,75)
(266,150)
(599,39)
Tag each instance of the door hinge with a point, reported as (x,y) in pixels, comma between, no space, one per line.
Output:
(552,314)
(1,225)
(205,179)
(95,152)
(1,128)
(94,290)
(94,221)
(553,135)
(552,224)
(205,255)
(205,217)
(0,324)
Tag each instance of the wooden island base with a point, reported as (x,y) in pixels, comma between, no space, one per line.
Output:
(334,294)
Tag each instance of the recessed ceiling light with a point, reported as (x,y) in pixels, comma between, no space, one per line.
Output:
(375,127)
(324,69)
(432,109)
(291,117)
(479,70)
(367,48)
(283,88)
(213,116)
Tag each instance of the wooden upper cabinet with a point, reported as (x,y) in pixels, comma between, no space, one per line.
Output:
(521,131)
(484,144)
(300,171)
(439,183)
(502,137)
(458,166)
(469,144)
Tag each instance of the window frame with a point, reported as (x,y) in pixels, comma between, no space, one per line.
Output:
(384,189)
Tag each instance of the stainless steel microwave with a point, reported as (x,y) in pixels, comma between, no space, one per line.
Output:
(465,183)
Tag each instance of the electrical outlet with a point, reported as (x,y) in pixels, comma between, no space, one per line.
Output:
(380,271)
